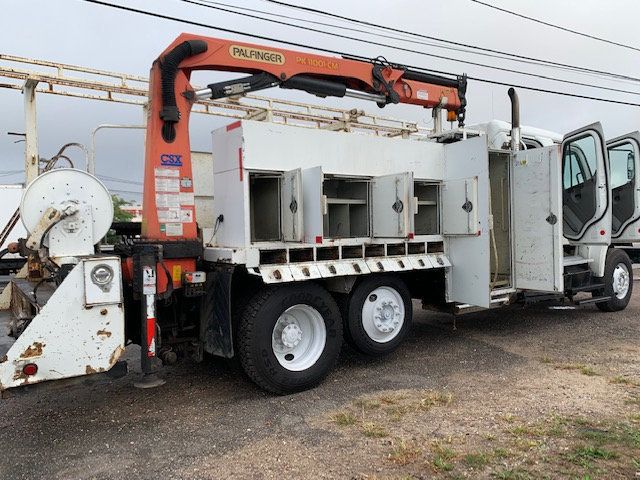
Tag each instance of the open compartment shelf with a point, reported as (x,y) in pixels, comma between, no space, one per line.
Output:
(264,206)
(427,218)
(347,207)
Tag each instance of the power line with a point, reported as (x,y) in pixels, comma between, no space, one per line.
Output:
(409,39)
(125,191)
(558,27)
(337,52)
(398,30)
(418,52)
(118,180)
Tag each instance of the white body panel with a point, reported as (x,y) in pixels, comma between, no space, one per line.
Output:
(202,165)
(87,338)
(537,221)
(269,146)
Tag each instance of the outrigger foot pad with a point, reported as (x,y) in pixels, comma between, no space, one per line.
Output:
(149,380)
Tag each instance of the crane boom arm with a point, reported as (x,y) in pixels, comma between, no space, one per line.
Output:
(169,213)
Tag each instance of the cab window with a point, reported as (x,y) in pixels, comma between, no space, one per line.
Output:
(622,164)
(579,198)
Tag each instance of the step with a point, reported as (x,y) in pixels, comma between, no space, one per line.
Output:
(591,288)
(570,260)
(588,301)
(502,291)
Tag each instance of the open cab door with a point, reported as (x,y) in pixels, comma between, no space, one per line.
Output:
(465,221)
(624,166)
(537,224)
(586,198)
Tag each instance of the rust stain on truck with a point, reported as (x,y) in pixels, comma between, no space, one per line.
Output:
(115,356)
(104,333)
(34,350)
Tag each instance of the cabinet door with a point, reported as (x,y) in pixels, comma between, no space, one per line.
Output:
(391,205)
(313,205)
(465,216)
(291,206)
(624,166)
(537,225)
(460,204)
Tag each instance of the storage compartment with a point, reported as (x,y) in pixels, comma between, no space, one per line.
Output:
(501,233)
(347,213)
(264,206)
(427,217)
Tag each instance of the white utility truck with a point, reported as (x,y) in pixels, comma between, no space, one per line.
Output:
(317,235)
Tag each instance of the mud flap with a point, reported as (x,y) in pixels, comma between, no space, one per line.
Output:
(215,317)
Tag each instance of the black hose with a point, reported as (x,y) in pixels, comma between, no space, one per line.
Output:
(3,252)
(168,70)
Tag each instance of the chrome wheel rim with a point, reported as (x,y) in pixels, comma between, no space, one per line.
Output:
(383,314)
(299,337)
(621,281)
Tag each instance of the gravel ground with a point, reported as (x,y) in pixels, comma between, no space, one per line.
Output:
(483,386)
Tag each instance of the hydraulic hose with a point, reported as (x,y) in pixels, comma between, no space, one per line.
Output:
(168,70)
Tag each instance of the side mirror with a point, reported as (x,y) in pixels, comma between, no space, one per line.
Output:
(631,166)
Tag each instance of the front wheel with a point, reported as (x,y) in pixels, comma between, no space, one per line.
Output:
(618,281)
(290,337)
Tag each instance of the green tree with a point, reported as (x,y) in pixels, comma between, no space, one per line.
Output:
(120,215)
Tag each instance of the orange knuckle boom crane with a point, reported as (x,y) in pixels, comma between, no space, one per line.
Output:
(171,97)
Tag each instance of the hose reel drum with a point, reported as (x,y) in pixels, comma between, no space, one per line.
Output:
(67,211)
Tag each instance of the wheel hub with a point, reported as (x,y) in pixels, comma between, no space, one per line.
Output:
(291,335)
(621,280)
(298,337)
(387,315)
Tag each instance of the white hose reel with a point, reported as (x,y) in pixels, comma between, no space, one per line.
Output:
(68,211)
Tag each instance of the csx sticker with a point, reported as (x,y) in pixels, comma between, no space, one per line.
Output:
(171,160)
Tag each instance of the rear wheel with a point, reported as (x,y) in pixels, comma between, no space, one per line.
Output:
(379,314)
(618,280)
(289,337)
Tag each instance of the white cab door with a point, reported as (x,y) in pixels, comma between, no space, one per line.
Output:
(391,205)
(537,223)
(624,167)
(291,206)
(586,198)
(465,215)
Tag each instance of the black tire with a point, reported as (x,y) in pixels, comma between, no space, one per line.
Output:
(357,334)
(615,257)
(256,330)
